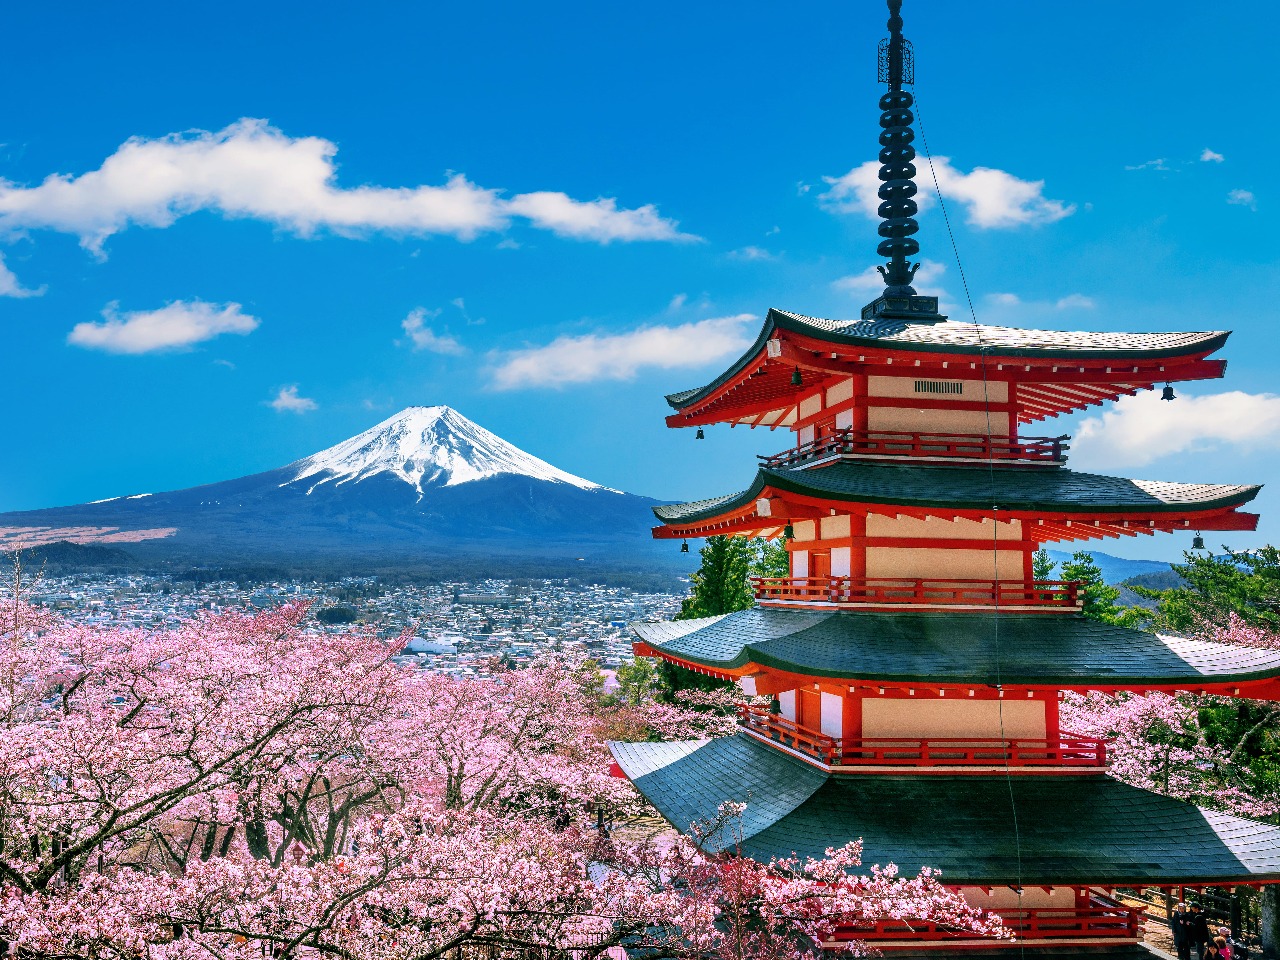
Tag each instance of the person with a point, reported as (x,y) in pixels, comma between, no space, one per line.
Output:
(1211,951)
(1235,949)
(1223,945)
(1199,930)
(1180,927)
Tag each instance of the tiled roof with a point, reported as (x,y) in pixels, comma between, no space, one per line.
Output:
(971,488)
(964,648)
(1070,829)
(975,336)
(955,337)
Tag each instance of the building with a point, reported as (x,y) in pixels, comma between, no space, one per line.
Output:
(915,664)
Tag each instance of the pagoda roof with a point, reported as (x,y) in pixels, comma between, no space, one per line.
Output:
(951,337)
(969,488)
(944,648)
(1069,830)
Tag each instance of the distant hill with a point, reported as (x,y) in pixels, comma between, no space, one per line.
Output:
(1115,569)
(424,490)
(64,553)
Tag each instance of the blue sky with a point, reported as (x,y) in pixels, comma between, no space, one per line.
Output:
(273,225)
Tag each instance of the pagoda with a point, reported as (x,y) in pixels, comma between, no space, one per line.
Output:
(914,663)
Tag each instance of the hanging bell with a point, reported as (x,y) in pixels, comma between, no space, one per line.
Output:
(1168,393)
(796,379)
(1197,542)
(789,532)
(684,546)
(699,435)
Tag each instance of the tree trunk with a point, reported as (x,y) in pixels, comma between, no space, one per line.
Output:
(1271,922)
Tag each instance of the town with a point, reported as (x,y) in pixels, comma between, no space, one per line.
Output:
(459,628)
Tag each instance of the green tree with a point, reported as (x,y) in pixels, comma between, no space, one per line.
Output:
(1246,583)
(720,584)
(1098,596)
(637,681)
(770,558)
(1041,566)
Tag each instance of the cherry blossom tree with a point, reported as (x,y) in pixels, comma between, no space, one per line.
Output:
(241,784)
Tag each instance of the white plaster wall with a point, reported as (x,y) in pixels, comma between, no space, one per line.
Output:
(965,422)
(832,715)
(799,563)
(975,390)
(840,392)
(935,564)
(805,530)
(833,528)
(1033,898)
(882,526)
(787,704)
(810,405)
(806,434)
(840,561)
(844,420)
(929,715)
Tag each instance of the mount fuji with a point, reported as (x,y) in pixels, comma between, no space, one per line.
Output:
(426,488)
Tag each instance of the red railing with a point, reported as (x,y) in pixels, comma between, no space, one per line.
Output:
(1067,750)
(1057,594)
(1105,919)
(880,443)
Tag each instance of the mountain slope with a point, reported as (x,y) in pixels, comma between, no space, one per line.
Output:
(428,446)
(426,483)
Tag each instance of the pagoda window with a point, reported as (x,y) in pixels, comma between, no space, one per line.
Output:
(841,561)
(787,704)
(948,407)
(916,718)
(799,564)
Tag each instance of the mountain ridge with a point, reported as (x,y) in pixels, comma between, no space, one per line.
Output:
(424,483)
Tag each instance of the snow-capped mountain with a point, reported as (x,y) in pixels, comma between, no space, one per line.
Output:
(425,487)
(427,446)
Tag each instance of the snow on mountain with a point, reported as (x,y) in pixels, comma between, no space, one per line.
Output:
(427,447)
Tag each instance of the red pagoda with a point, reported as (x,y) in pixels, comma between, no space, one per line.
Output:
(916,666)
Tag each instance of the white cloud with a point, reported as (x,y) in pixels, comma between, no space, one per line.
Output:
(599,220)
(751,253)
(252,170)
(288,401)
(870,281)
(1243,198)
(10,287)
(583,359)
(1143,428)
(992,198)
(678,301)
(1211,156)
(424,338)
(174,326)
(1074,301)
(1159,163)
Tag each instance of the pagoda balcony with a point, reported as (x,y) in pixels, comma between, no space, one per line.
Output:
(1104,919)
(883,444)
(1065,751)
(1021,595)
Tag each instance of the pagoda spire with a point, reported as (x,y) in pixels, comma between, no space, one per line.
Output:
(897,208)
